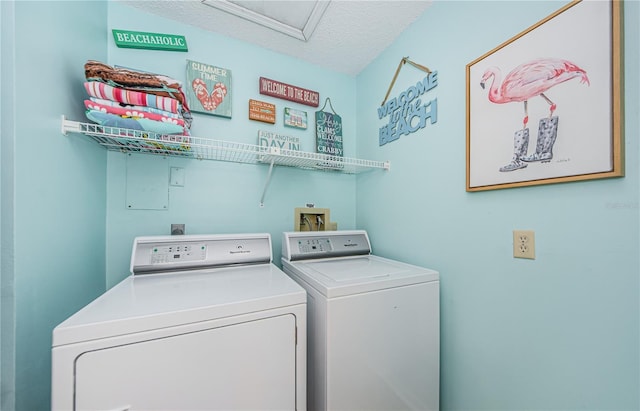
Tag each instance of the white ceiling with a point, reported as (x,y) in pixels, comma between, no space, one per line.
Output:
(348,36)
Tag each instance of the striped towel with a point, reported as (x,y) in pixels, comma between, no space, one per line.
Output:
(101,90)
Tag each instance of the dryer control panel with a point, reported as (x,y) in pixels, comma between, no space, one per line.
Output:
(178,252)
(324,244)
(155,254)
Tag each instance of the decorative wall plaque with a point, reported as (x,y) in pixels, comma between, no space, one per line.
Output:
(295,118)
(288,92)
(262,111)
(208,89)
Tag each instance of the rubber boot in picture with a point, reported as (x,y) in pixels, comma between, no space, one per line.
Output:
(520,145)
(547,133)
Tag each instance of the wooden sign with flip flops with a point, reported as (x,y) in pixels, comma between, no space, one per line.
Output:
(208,89)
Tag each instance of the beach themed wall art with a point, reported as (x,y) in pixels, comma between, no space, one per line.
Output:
(208,89)
(545,107)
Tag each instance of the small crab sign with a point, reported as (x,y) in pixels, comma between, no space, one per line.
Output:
(407,112)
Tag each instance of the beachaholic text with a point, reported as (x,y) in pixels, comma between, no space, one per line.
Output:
(150,41)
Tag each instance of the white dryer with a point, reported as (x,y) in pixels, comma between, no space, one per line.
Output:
(205,322)
(373,335)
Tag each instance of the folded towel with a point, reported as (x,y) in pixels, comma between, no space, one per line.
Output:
(139,98)
(133,113)
(135,80)
(110,103)
(143,124)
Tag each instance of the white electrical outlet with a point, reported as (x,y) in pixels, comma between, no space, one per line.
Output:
(524,244)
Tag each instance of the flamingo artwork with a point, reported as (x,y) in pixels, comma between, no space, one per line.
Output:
(531,79)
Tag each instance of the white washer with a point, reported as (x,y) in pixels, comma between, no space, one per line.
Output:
(373,324)
(205,322)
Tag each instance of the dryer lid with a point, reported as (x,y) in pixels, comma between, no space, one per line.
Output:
(143,303)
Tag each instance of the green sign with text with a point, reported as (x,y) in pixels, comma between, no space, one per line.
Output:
(151,41)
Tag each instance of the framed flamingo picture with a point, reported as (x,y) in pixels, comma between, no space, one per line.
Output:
(546,107)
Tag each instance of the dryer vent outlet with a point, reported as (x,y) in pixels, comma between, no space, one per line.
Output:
(177,229)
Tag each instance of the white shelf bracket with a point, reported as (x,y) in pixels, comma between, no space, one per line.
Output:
(70,126)
(266,184)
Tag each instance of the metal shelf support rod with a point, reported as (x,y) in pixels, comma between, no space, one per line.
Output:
(266,184)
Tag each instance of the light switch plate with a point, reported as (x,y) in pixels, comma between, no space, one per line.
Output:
(176,177)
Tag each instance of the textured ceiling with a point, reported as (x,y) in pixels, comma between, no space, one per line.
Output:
(349,35)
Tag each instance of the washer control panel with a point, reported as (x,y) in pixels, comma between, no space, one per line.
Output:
(324,244)
(313,245)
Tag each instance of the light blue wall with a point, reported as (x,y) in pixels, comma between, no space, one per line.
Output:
(558,332)
(55,186)
(224,197)
(7,316)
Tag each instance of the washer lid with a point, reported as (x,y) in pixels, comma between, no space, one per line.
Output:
(335,277)
(154,301)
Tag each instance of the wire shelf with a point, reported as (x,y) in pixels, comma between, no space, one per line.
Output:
(127,140)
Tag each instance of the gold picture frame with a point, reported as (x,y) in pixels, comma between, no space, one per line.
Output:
(557,116)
